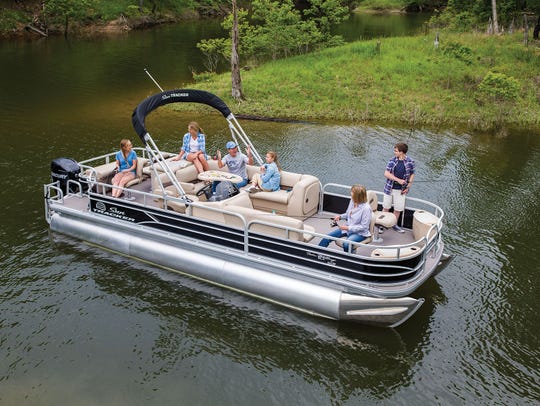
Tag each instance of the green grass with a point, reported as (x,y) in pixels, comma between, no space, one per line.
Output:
(382,5)
(409,82)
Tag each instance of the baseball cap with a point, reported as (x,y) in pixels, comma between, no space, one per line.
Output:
(230,144)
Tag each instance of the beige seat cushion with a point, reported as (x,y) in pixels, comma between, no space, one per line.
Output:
(279,196)
(178,206)
(382,218)
(139,175)
(393,252)
(385,219)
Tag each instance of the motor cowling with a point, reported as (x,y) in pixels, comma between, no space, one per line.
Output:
(224,190)
(63,170)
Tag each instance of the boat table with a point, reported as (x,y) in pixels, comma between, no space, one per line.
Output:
(219,176)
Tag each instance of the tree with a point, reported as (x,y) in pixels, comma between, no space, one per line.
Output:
(62,11)
(237,93)
(494,14)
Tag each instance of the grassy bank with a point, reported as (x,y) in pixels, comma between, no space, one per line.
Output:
(406,81)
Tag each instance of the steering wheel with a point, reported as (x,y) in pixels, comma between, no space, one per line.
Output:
(204,190)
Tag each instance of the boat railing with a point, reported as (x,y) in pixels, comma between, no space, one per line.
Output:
(88,166)
(253,240)
(411,205)
(52,193)
(357,259)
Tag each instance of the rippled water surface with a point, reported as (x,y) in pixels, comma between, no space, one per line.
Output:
(82,326)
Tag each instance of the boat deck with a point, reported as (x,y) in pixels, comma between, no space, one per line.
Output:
(319,221)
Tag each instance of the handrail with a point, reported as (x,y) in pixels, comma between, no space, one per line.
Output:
(247,228)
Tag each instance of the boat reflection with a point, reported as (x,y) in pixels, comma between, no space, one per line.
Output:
(342,357)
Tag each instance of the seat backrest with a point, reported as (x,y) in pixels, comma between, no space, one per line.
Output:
(187,174)
(289,179)
(141,162)
(372,200)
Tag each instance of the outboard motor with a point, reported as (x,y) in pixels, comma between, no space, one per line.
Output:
(224,190)
(64,169)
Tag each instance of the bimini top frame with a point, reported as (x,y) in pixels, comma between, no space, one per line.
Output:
(183,96)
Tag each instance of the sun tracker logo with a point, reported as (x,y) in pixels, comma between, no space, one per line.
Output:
(101,208)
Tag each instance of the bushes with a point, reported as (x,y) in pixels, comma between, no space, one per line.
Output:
(460,52)
(499,87)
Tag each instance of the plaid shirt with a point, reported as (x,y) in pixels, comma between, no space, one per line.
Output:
(200,140)
(409,170)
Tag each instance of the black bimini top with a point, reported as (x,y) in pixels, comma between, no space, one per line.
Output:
(173,96)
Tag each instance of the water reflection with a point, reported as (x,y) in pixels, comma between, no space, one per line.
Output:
(80,325)
(195,318)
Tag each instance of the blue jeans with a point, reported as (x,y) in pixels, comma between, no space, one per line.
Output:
(238,185)
(325,242)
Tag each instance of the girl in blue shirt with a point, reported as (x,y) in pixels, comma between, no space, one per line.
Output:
(269,178)
(126,165)
(194,147)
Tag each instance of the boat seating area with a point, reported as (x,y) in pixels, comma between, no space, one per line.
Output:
(298,196)
(290,212)
(105,172)
(238,212)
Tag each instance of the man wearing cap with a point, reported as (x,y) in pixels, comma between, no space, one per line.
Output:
(236,162)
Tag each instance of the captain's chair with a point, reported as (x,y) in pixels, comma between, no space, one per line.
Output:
(367,240)
(382,218)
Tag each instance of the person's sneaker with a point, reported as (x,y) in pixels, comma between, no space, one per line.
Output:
(381,230)
(398,229)
(253,189)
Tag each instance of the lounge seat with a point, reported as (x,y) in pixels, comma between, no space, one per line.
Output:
(298,195)
(104,173)
(238,212)
(139,173)
(339,243)
(174,165)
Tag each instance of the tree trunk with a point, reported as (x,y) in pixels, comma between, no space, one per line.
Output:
(237,93)
(66,27)
(536,29)
(494,13)
(525,30)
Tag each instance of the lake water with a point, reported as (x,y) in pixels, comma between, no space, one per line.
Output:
(82,326)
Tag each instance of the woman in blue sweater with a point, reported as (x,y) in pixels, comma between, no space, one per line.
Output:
(358,216)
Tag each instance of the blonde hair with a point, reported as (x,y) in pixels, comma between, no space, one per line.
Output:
(196,126)
(274,157)
(124,142)
(359,194)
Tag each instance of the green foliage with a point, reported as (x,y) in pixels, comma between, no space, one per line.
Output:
(408,82)
(62,10)
(460,52)
(214,50)
(499,86)
(276,29)
(10,18)
(464,15)
(134,11)
(383,4)
(326,14)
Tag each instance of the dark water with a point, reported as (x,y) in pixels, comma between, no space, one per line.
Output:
(81,326)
